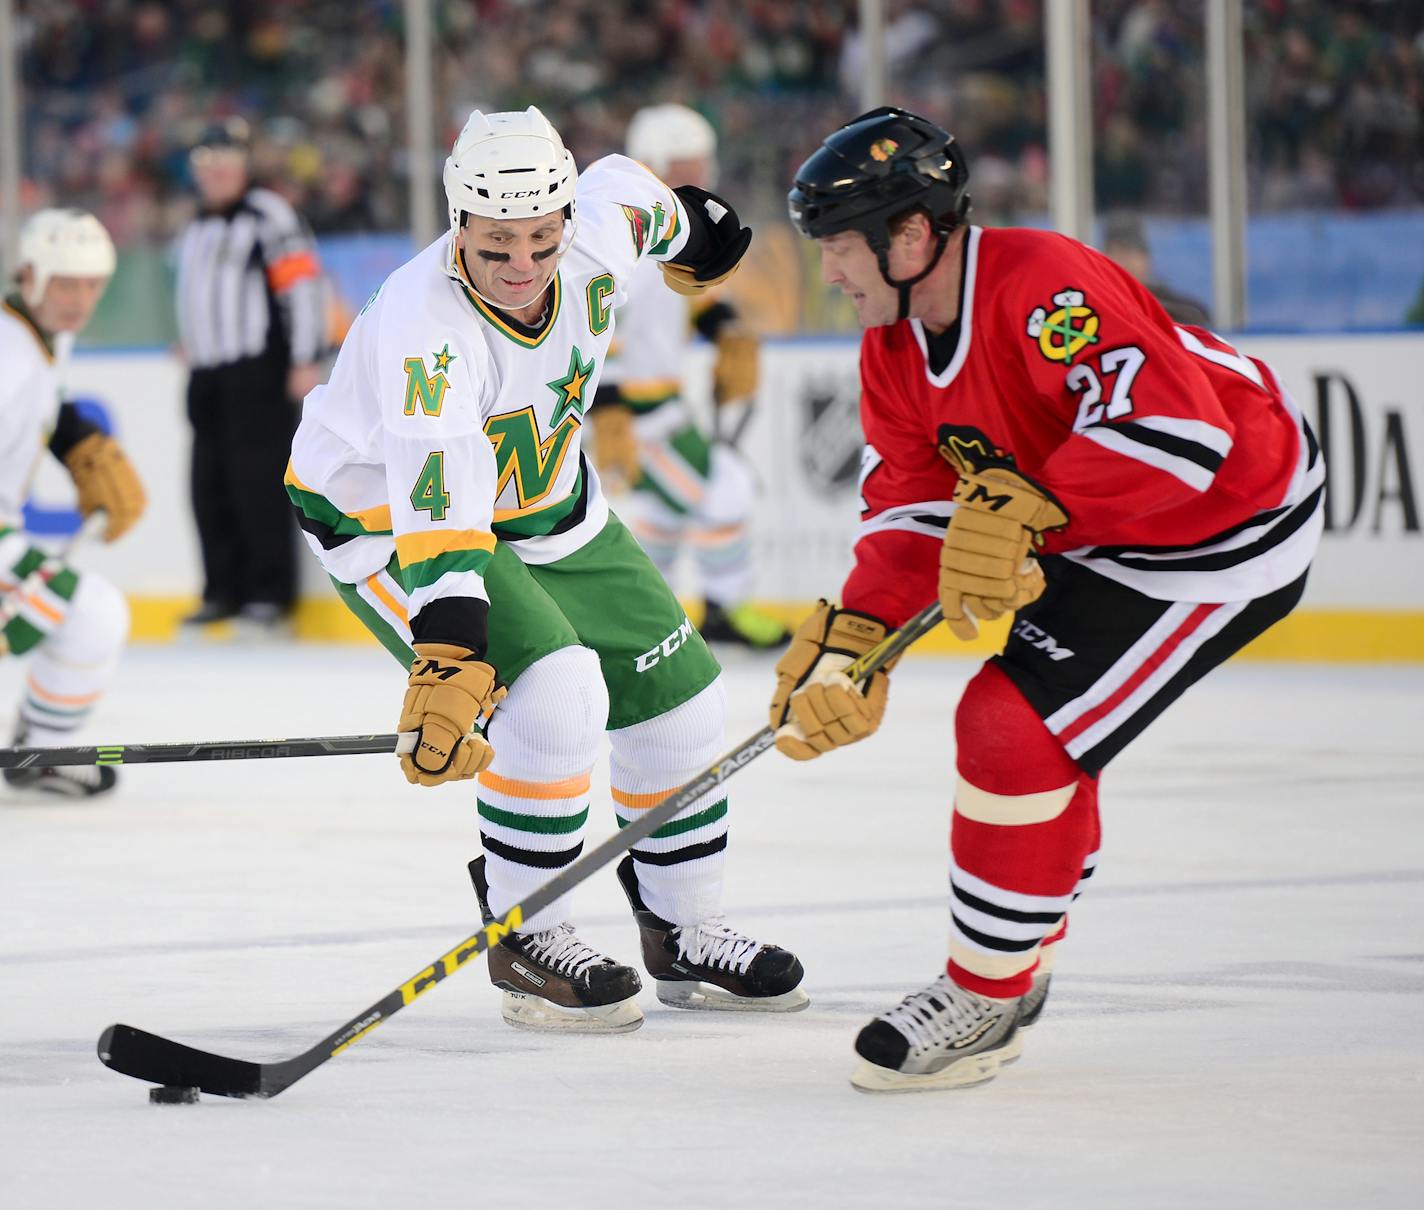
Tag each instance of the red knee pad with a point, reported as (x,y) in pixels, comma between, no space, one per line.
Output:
(1003,746)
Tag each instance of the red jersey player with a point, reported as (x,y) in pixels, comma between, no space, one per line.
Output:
(1040,436)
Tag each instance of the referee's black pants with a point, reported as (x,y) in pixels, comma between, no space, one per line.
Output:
(243,424)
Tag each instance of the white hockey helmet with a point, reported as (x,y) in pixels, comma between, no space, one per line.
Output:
(660,134)
(63,243)
(509,165)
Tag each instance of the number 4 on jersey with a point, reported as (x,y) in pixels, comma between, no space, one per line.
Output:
(429,494)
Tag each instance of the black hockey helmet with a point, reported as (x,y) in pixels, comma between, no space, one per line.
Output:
(874,169)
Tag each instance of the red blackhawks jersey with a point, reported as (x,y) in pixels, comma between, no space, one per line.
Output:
(1187,472)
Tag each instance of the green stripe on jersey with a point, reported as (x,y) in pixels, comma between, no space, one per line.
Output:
(678,826)
(319,508)
(427,571)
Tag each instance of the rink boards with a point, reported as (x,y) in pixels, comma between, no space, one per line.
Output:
(1362,393)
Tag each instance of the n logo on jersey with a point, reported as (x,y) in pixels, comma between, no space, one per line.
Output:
(427,392)
(520,455)
(1066,331)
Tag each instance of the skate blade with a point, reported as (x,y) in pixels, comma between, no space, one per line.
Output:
(977,1069)
(1012,1050)
(532,1012)
(710,997)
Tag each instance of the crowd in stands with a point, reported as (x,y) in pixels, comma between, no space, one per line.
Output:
(113,93)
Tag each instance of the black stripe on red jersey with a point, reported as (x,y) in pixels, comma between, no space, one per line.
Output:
(1169,443)
(1005,945)
(1282,523)
(1012,915)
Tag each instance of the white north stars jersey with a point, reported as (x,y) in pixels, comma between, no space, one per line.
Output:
(29,405)
(445,427)
(649,354)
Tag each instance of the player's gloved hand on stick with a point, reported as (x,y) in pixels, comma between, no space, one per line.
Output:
(106,480)
(449,691)
(816,707)
(986,567)
(615,444)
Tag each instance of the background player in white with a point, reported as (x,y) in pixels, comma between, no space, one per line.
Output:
(74,624)
(439,479)
(692,489)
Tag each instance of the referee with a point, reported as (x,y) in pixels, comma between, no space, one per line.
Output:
(251,323)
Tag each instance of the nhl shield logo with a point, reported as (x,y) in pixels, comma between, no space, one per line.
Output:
(831,439)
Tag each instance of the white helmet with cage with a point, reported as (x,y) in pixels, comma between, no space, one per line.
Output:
(660,134)
(63,243)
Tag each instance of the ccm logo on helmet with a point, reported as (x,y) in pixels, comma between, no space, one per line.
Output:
(522,193)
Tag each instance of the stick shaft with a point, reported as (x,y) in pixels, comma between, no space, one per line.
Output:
(146,1056)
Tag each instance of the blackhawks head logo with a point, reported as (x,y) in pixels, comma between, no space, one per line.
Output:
(1065,332)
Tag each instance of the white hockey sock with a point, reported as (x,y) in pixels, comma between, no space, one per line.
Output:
(679,866)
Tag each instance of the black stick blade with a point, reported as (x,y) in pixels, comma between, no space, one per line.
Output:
(146,1056)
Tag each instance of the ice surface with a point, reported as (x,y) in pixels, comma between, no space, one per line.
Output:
(1236,1020)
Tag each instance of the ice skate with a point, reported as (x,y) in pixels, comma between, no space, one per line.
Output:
(942,1037)
(552,980)
(712,966)
(744,624)
(66,781)
(1030,1009)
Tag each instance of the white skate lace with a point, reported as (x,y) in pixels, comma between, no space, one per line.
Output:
(561,949)
(712,943)
(928,1027)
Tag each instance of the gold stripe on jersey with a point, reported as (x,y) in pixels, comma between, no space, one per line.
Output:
(429,544)
(503,325)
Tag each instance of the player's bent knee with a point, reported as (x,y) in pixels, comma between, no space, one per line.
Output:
(553,719)
(96,625)
(1011,810)
(686,738)
(1003,746)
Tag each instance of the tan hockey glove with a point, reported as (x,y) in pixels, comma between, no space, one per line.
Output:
(615,444)
(736,371)
(816,707)
(449,691)
(106,480)
(985,565)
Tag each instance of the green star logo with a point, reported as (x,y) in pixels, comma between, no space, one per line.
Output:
(443,358)
(571,388)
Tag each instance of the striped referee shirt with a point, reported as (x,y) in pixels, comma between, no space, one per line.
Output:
(240,271)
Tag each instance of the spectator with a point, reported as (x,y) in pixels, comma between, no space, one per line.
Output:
(1125,241)
(251,318)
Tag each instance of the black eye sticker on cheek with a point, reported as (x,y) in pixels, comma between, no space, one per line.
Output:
(544,254)
(498,258)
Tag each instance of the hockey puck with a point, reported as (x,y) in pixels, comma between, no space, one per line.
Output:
(173,1094)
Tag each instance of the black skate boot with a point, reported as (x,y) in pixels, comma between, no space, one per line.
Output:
(709,965)
(943,1037)
(552,980)
(66,781)
(744,624)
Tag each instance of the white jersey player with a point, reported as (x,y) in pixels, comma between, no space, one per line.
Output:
(691,490)
(440,480)
(74,624)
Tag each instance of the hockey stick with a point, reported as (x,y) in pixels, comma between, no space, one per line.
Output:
(161,754)
(146,1056)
